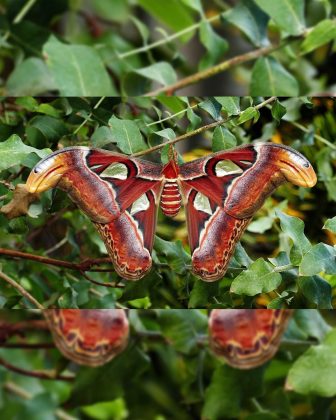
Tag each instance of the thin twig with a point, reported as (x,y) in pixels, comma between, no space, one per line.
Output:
(21,290)
(36,373)
(316,136)
(99,283)
(29,346)
(218,68)
(90,115)
(200,130)
(25,9)
(172,115)
(167,39)
(84,265)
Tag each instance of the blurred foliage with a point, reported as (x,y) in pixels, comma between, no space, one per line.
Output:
(286,257)
(76,47)
(167,371)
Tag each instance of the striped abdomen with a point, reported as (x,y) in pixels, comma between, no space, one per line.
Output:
(171,199)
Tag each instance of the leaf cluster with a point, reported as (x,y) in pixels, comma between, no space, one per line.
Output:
(134,47)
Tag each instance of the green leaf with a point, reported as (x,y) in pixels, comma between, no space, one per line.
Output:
(230,104)
(212,107)
(314,371)
(258,278)
(222,139)
(260,225)
(31,77)
(251,20)
(174,14)
(43,129)
(119,11)
(278,110)
(248,114)
(176,256)
(126,135)
(287,14)
(161,72)
(294,228)
(330,224)
(202,293)
(321,34)
(214,44)
(228,389)
(77,69)
(270,78)
(309,324)
(182,328)
(13,152)
(317,291)
(320,258)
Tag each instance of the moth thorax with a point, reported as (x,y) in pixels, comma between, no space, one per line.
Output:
(171,199)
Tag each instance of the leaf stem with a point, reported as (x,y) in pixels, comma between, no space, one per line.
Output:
(201,129)
(172,116)
(167,39)
(25,9)
(281,268)
(316,136)
(90,115)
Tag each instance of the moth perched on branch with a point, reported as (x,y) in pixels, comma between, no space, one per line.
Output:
(221,192)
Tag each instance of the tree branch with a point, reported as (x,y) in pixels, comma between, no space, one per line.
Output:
(84,265)
(35,373)
(212,71)
(21,290)
(199,130)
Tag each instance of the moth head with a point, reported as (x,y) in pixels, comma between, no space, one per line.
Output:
(48,172)
(295,167)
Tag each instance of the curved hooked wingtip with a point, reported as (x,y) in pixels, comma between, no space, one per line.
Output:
(47,173)
(296,168)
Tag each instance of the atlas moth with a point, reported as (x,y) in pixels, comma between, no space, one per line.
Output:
(247,338)
(220,192)
(89,337)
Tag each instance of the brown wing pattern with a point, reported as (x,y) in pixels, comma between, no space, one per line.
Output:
(223,191)
(247,338)
(88,336)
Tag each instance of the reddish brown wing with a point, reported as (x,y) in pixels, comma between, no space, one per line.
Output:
(247,338)
(119,194)
(88,336)
(223,191)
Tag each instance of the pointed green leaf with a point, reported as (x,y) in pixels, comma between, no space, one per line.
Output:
(258,278)
(321,34)
(320,258)
(13,152)
(294,228)
(313,373)
(251,20)
(77,70)
(330,224)
(270,78)
(127,135)
(222,139)
(288,14)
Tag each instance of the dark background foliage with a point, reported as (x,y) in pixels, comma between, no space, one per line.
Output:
(286,257)
(101,47)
